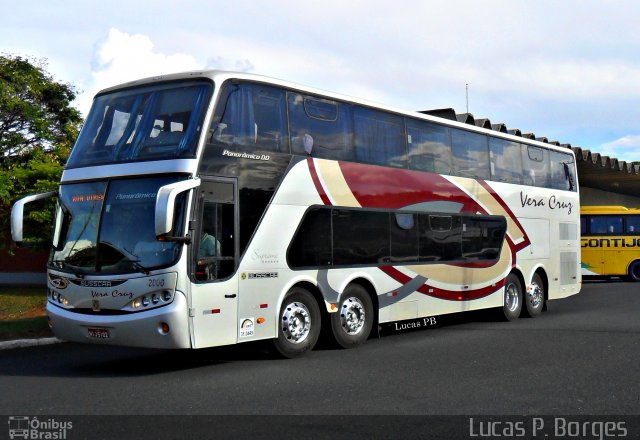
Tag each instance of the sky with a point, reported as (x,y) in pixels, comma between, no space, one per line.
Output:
(565,69)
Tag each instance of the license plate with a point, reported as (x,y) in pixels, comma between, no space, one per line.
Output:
(99,333)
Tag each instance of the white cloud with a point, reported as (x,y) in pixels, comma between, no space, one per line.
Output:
(122,57)
(539,71)
(229,64)
(625,148)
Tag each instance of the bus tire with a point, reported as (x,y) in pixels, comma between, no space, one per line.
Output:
(534,298)
(634,271)
(352,323)
(512,301)
(299,324)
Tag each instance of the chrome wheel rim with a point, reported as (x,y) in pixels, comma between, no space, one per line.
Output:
(536,295)
(296,322)
(511,297)
(352,316)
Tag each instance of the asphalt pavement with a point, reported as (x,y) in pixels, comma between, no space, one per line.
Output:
(579,359)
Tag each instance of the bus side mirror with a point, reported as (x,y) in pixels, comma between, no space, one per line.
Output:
(165,205)
(17,214)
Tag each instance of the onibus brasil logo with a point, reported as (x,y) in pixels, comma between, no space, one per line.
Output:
(33,428)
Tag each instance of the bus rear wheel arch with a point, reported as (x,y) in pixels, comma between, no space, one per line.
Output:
(299,322)
(351,325)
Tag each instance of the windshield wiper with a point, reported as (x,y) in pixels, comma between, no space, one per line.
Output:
(140,267)
(130,257)
(64,265)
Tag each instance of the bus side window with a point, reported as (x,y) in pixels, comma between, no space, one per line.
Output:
(404,237)
(470,154)
(251,115)
(482,238)
(632,224)
(429,147)
(440,238)
(320,127)
(535,165)
(360,237)
(606,224)
(562,171)
(312,244)
(506,161)
(379,137)
(583,225)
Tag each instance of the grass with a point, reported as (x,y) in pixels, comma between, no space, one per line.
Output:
(22,312)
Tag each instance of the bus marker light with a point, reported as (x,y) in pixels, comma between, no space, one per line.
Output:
(333,306)
(264,306)
(260,320)
(215,311)
(164,327)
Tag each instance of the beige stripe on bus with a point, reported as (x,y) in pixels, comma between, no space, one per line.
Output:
(335,183)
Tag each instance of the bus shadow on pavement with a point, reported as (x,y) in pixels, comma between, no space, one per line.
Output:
(441,321)
(79,360)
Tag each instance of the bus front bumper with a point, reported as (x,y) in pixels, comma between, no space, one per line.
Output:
(164,327)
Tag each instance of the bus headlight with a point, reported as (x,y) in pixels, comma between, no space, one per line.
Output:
(58,299)
(149,301)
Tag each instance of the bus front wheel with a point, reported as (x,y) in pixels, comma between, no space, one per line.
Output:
(634,271)
(512,303)
(352,323)
(299,324)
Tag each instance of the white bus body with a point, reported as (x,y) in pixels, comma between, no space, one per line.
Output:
(305,223)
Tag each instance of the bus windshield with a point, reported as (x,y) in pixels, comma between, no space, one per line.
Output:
(108,227)
(151,123)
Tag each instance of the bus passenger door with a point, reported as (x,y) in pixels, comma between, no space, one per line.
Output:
(214,255)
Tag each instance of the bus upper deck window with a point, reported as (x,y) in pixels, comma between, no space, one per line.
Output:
(251,115)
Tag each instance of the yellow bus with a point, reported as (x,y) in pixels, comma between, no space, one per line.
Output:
(610,241)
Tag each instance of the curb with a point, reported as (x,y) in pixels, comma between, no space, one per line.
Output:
(22,343)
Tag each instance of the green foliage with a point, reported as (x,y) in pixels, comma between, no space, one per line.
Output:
(18,302)
(38,127)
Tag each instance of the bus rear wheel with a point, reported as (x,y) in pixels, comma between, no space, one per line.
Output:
(351,324)
(299,324)
(512,303)
(535,297)
(634,271)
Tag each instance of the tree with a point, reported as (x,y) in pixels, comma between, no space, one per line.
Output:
(38,126)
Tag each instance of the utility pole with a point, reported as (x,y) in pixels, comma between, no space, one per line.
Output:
(467,93)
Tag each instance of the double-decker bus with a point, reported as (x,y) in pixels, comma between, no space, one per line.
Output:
(212,208)
(610,239)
